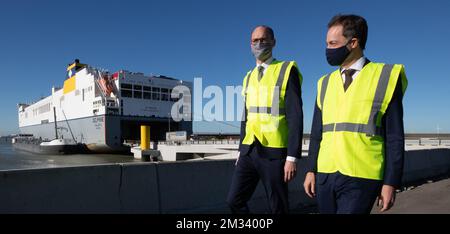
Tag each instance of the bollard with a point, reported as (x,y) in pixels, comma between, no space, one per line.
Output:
(145,137)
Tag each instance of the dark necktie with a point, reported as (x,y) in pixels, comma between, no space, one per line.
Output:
(260,72)
(348,77)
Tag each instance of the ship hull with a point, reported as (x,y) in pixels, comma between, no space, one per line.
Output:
(105,133)
(89,131)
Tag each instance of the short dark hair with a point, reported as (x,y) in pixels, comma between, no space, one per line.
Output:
(268,30)
(354,26)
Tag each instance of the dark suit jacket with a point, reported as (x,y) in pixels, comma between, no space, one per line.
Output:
(393,133)
(294,117)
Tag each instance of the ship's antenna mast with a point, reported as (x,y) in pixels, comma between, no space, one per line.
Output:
(70,129)
(56,126)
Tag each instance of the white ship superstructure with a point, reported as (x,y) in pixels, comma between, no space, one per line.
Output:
(104,110)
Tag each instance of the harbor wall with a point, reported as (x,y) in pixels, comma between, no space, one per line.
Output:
(175,187)
(91,189)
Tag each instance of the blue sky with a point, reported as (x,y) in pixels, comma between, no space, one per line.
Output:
(210,39)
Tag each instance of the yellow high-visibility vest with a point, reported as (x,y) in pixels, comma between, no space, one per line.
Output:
(264,101)
(352,141)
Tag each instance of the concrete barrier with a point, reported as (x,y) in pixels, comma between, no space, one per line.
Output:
(297,196)
(417,166)
(424,164)
(194,186)
(179,187)
(139,190)
(91,189)
(204,187)
(439,161)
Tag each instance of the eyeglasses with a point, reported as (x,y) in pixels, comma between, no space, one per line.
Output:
(261,40)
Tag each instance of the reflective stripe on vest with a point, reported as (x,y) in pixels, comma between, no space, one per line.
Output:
(276,95)
(370,128)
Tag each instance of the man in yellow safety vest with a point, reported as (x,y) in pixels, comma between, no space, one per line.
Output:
(357,138)
(271,130)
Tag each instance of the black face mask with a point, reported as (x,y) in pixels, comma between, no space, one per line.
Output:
(337,56)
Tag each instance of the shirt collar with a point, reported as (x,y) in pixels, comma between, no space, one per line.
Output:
(266,63)
(358,65)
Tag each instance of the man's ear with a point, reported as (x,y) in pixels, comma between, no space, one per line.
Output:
(355,43)
(274,42)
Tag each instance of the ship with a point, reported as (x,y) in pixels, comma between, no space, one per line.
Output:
(104,111)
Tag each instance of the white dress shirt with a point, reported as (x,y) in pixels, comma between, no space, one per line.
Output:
(265,64)
(357,66)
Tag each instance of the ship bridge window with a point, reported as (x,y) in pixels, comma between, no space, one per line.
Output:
(126,93)
(164,94)
(147,92)
(155,93)
(147,95)
(137,94)
(126,90)
(126,86)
